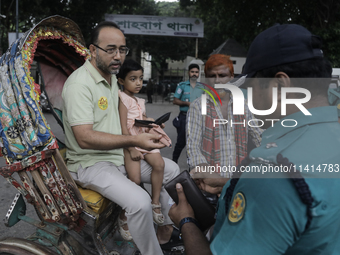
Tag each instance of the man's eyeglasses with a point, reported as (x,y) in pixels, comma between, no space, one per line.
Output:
(122,51)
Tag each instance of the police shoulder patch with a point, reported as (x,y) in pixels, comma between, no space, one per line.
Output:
(237,208)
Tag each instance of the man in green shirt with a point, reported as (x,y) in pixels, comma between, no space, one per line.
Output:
(94,140)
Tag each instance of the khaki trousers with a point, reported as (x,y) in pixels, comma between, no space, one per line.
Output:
(111,181)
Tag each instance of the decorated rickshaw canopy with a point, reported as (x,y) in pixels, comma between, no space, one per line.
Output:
(58,44)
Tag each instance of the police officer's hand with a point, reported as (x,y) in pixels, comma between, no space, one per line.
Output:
(183,209)
(149,141)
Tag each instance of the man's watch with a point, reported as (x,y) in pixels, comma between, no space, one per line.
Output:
(187,220)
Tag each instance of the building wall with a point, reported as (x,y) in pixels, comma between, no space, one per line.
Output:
(182,66)
(238,64)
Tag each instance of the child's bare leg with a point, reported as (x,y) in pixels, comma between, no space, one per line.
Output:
(132,168)
(157,163)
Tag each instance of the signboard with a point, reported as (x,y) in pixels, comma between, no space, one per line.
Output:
(157,25)
(12,36)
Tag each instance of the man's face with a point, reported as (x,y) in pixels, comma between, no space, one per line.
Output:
(218,75)
(194,73)
(109,38)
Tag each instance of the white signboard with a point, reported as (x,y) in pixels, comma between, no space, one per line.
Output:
(12,36)
(157,25)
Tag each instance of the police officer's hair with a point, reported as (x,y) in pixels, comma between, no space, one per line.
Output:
(95,32)
(193,65)
(310,68)
(128,66)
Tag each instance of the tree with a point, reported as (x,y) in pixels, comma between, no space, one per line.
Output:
(86,13)
(243,20)
(162,48)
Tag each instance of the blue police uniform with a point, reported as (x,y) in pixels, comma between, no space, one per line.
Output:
(186,93)
(273,214)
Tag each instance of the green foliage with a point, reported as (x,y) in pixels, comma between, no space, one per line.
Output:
(162,48)
(243,20)
(86,13)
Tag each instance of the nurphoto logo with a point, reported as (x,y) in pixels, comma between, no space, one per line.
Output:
(238,104)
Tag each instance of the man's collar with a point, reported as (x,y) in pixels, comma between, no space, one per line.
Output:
(98,78)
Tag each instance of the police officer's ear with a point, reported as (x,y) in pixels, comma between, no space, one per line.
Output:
(282,80)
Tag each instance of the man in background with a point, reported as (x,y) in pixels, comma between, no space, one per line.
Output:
(149,91)
(223,145)
(185,92)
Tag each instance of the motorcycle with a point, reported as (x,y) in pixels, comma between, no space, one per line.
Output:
(72,220)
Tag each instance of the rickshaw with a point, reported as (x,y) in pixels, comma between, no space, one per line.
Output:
(72,220)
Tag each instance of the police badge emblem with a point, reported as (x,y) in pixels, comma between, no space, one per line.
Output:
(238,205)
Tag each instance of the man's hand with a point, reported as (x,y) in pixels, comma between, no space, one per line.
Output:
(180,102)
(183,209)
(209,182)
(211,185)
(195,242)
(136,155)
(149,141)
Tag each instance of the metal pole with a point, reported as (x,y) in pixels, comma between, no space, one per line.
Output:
(17,19)
(196,54)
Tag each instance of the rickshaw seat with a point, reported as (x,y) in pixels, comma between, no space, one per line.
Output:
(94,200)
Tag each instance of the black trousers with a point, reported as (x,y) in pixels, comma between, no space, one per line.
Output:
(149,94)
(181,137)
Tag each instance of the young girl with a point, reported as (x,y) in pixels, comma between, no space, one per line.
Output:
(130,108)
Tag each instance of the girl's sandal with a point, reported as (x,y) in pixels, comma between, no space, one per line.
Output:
(158,218)
(124,233)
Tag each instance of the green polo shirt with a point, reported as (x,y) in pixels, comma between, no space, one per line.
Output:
(89,99)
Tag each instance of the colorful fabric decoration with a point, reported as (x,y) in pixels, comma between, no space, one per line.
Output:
(23,129)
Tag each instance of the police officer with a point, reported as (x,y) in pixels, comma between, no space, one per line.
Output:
(186,92)
(285,197)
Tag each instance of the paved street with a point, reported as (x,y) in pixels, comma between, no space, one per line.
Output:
(7,192)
